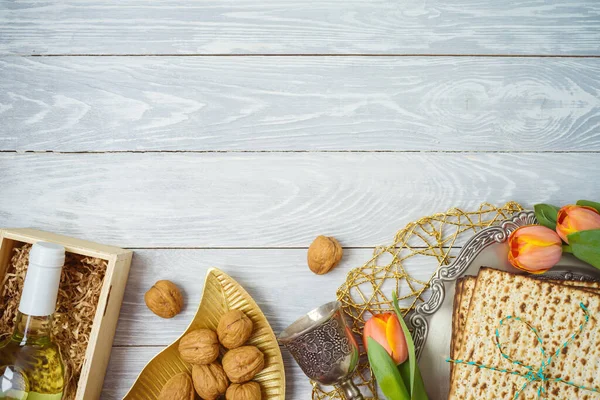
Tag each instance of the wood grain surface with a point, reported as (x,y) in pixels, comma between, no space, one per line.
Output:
(295,27)
(278,279)
(231,133)
(244,200)
(305,103)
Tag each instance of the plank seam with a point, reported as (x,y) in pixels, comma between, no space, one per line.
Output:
(26,152)
(303,55)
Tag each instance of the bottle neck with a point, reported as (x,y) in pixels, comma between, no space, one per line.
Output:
(30,328)
(40,290)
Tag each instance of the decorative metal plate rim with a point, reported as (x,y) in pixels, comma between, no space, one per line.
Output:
(417,319)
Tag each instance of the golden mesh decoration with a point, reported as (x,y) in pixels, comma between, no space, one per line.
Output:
(433,237)
(78,295)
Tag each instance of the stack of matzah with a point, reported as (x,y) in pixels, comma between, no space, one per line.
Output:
(551,307)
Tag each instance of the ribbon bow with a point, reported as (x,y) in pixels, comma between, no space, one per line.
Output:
(534,374)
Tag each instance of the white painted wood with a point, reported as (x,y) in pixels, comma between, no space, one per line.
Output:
(241,210)
(127,362)
(299,103)
(246,200)
(278,280)
(306,27)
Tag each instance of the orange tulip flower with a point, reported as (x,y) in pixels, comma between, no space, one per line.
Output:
(574,218)
(385,329)
(534,248)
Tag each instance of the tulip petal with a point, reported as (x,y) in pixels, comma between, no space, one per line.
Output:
(534,249)
(396,340)
(375,328)
(574,218)
(584,219)
(537,235)
(538,259)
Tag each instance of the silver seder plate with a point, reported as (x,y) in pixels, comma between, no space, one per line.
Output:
(431,321)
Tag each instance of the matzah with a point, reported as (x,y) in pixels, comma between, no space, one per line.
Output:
(586,284)
(554,310)
(455,310)
(461,305)
(468,284)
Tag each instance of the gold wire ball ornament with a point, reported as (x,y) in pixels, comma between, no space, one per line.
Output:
(367,289)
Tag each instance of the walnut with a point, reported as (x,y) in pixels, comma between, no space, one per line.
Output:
(323,254)
(210,380)
(199,347)
(244,391)
(234,329)
(164,299)
(178,387)
(243,363)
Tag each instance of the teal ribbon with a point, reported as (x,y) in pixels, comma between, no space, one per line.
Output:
(534,374)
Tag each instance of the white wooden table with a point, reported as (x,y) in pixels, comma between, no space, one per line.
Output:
(230,133)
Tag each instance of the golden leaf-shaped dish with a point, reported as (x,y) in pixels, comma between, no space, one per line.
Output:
(221,293)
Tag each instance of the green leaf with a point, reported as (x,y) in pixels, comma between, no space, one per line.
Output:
(567,249)
(410,370)
(546,215)
(588,203)
(385,371)
(586,246)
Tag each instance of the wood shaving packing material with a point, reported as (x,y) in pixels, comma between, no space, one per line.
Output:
(552,309)
(80,285)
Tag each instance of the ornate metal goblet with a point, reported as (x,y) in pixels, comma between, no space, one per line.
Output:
(325,348)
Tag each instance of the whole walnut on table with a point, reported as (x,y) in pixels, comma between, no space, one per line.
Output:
(209,380)
(324,253)
(164,299)
(234,329)
(243,363)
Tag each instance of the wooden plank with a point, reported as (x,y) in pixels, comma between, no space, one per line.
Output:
(127,362)
(278,280)
(304,103)
(292,27)
(246,200)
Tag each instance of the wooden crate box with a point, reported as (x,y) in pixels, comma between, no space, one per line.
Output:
(109,304)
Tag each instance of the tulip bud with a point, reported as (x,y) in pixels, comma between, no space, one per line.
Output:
(385,329)
(534,248)
(573,218)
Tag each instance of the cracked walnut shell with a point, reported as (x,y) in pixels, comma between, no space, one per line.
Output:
(179,387)
(243,363)
(164,299)
(199,347)
(243,391)
(324,253)
(210,380)
(234,329)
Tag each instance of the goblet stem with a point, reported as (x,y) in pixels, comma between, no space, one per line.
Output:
(350,390)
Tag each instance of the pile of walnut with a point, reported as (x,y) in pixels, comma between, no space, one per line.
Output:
(211,378)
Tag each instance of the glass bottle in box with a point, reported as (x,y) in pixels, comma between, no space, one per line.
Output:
(31,365)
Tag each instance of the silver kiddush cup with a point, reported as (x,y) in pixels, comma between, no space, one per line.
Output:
(324,347)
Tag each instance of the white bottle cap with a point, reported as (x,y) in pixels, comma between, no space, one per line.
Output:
(43,277)
(50,255)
